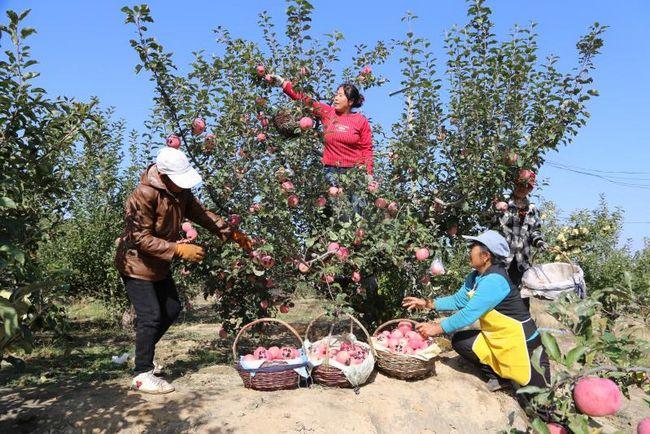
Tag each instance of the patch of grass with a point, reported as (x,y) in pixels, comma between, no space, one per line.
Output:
(83,356)
(87,309)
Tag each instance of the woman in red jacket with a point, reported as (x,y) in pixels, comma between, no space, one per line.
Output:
(347,134)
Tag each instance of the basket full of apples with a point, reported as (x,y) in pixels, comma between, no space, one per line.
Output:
(272,368)
(404,353)
(340,360)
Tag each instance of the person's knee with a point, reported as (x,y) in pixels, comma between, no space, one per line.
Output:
(150,317)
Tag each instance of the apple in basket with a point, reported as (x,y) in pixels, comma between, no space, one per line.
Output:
(397,334)
(260,353)
(289,353)
(273,353)
(405,327)
(249,358)
(343,357)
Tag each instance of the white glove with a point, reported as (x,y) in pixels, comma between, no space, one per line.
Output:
(277,80)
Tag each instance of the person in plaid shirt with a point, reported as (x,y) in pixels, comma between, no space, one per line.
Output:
(520,223)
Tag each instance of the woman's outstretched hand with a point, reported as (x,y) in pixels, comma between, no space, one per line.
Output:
(277,80)
(414,303)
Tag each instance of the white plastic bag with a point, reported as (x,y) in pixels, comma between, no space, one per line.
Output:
(355,374)
(553,279)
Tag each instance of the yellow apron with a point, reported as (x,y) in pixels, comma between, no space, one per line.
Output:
(502,345)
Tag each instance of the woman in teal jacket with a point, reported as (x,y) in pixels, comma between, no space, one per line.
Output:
(503,347)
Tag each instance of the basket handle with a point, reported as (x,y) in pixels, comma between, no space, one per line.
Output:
(393,321)
(257,321)
(563,254)
(352,319)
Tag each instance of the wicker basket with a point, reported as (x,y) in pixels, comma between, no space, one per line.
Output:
(330,376)
(282,379)
(402,366)
(286,123)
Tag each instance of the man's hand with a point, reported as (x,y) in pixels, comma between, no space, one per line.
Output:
(411,303)
(542,247)
(190,252)
(277,80)
(243,240)
(428,329)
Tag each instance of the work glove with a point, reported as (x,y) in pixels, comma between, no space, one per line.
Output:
(190,252)
(243,240)
(277,80)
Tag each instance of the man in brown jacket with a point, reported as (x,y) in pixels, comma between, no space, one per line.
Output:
(155,212)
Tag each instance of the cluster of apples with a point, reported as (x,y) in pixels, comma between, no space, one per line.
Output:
(403,339)
(346,353)
(273,353)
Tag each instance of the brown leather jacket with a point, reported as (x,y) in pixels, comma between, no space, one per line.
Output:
(153,225)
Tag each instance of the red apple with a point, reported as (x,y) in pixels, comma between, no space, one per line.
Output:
(256,207)
(304,70)
(261,70)
(356,277)
(373,186)
(359,233)
(223,334)
(261,137)
(293,201)
(264,304)
(452,230)
(234,219)
(328,278)
(306,123)
(284,308)
(343,253)
(526,175)
(173,141)
(381,203)
(333,247)
(288,186)
(321,201)
(393,208)
(303,267)
(366,70)
(555,428)
(334,191)
(198,126)
(501,206)
(422,254)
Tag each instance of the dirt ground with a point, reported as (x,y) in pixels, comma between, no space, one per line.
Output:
(210,397)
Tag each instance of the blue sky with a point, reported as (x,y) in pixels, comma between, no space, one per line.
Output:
(83,49)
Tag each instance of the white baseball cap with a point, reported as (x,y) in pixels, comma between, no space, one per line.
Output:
(174,163)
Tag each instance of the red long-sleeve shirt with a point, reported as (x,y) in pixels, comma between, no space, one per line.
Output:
(348,138)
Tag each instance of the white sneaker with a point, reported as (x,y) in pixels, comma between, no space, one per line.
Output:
(157,368)
(149,383)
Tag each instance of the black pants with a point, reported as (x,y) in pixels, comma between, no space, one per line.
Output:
(156,308)
(515,275)
(463,341)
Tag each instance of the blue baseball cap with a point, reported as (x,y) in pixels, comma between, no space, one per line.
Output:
(494,241)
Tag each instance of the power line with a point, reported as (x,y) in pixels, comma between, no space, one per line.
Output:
(596,175)
(601,171)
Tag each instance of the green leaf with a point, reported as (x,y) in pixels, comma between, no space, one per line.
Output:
(551,346)
(579,424)
(537,355)
(573,355)
(7,202)
(530,389)
(540,427)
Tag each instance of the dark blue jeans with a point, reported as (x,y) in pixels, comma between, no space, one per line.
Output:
(358,203)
